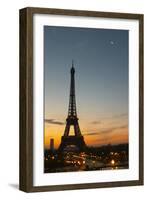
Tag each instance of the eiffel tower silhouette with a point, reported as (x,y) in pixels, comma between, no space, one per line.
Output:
(72,120)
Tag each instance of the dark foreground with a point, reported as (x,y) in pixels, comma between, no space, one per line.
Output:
(93,158)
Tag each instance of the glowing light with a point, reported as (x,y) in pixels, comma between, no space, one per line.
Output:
(112,162)
(79,162)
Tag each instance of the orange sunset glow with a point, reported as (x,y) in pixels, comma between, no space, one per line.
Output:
(96,134)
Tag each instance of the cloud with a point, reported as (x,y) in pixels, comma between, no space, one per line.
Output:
(96,122)
(53,121)
(120,115)
(106,131)
(113,117)
(92,133)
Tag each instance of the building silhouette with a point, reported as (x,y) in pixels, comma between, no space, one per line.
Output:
(77,139)
(52,144)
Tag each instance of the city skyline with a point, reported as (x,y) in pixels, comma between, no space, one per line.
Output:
(101,79)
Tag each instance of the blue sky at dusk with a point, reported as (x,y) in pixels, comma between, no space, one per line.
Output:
(101,80)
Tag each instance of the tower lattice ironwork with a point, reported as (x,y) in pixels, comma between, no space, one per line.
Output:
(72,120)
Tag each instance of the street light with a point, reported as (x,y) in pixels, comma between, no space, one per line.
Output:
(112,162)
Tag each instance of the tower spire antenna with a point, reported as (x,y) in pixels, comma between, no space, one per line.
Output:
(72,63)
(72,69)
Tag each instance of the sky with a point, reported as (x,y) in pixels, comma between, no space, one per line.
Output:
(101,83)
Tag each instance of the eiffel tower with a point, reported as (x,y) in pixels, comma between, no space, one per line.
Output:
(72,120)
